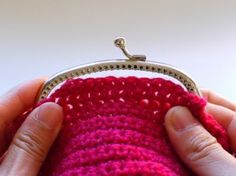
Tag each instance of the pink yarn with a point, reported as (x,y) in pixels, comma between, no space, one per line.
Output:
(115,126)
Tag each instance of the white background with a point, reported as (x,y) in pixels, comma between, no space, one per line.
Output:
(43,37)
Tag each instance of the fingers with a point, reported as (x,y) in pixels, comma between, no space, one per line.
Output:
(19,99)
(32,141)
(15,102)
(224,112)
(227,118)
(195,146)
(218,100)
(223,115)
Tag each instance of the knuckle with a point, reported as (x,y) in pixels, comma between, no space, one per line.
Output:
(202,146)
(30,143)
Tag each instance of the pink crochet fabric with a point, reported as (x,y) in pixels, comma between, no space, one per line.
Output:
(115,126)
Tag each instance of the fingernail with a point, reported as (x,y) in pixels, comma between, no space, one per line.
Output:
(181,118)
(50,115)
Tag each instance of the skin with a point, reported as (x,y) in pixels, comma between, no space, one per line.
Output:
(36,135)
(195,146)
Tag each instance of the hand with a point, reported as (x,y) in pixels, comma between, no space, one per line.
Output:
(34,138)
(195,146)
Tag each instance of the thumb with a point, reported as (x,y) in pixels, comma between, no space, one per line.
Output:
(32,141)
(195,146)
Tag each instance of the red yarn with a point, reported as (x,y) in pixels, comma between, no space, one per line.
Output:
(114,126)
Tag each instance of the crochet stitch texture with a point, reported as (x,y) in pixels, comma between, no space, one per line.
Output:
(115,126)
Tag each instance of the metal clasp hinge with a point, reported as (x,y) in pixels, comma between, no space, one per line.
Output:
(120,43)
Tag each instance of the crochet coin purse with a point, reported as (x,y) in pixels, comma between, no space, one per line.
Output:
(115,125)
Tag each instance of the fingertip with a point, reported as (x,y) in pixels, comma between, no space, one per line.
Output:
(19,99)
(51,106)
(171,114)
(33,83)
(205,92)
(50,114)
(175,111)
(179,118)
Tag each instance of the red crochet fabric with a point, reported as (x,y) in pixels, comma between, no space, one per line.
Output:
(115,126)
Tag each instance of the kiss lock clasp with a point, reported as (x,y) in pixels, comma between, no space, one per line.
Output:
(120,43)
